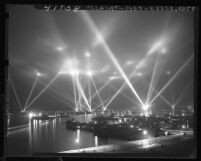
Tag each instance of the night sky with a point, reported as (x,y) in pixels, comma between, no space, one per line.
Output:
(35,37)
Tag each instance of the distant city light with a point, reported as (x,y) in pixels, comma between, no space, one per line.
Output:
(131,126)
(183,126)
(145,132)
(30,115)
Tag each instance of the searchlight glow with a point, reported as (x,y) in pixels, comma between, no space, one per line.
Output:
(74,72)
(60,48)
(157,46)
(38,74)
(89,73)
(145,107)
(129,62)
(87,54)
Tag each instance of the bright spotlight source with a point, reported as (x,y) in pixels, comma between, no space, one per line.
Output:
(77,140)
(145,107)
(60,48)
(76,109)
(38,74)
(89,73)
(87,54)
(145,132)
(74,72)
(31,115)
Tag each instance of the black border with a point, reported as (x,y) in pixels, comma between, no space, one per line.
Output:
(5,62)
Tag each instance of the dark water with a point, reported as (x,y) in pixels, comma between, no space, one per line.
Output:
(51,136)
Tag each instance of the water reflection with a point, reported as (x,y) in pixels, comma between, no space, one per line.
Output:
(96,140)
(52,136)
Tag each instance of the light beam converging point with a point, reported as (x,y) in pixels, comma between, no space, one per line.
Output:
(109,52)
(173,77)
(97,92)
(82,93)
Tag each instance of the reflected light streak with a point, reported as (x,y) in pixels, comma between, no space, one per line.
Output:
(96,140)
(109,52)
(173,77)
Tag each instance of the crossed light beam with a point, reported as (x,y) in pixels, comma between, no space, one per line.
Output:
(32,88)
(173,77)
(163,98)
(57,91)
(82,92)
(42,91)
(92,25)
(97,91)
(138,65)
